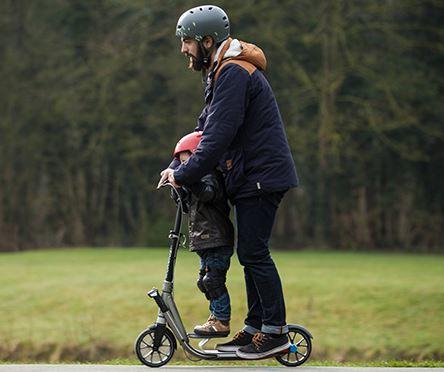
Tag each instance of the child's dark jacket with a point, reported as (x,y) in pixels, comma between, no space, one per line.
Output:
(209,214)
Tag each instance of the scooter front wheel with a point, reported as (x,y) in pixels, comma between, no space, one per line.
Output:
(148,354)
(299,350)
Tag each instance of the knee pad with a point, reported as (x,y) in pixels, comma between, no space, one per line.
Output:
(200,284)
(214,283)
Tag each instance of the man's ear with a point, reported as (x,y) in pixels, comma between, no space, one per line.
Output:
(208,42)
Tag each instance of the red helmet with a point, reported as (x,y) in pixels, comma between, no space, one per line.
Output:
(188,143)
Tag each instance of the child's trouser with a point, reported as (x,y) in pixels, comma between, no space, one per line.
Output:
(214,264)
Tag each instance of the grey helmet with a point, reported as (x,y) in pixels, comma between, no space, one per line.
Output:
(204,20)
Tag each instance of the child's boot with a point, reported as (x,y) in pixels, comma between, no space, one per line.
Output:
(213,327)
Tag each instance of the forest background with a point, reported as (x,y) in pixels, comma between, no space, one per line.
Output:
(95,94)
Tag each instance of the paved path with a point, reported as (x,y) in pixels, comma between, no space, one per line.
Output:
(107,368)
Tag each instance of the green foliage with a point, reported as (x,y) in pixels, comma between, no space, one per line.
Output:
(94,95)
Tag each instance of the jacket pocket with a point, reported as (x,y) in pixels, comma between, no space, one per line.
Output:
(233,169)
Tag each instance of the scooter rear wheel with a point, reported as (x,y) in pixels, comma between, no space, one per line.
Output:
(144,347)
(299,350)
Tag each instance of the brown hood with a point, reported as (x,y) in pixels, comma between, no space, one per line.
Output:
(250,53)
(253,54)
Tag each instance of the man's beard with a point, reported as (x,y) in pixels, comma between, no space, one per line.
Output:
(197,62)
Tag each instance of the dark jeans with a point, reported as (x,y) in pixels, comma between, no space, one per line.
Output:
(218,258)
(266,307)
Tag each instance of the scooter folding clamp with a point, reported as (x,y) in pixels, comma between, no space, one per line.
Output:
(173,235)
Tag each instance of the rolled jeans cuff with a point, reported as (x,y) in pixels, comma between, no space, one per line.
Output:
(251,330)
(277,330)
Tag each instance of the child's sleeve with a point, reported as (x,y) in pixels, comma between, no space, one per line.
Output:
(174,163)
(207,189)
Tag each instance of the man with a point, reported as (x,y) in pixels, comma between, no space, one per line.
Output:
(243,134)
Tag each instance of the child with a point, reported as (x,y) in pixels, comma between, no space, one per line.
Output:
(211,237)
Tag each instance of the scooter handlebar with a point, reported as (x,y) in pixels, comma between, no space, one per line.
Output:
(180,198)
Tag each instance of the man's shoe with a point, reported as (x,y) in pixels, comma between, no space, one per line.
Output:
(240,339)
(263,345)
(213,327)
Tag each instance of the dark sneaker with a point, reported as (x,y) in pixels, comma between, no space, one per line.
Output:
(263,345)
(241,338)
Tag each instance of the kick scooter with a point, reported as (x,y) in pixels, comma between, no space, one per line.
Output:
(156,344)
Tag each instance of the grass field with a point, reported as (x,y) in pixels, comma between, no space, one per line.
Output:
(90,304)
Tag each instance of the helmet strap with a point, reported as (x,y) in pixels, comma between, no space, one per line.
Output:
(206,55)
(205,61)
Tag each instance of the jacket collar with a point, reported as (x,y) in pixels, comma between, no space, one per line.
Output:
(229,48)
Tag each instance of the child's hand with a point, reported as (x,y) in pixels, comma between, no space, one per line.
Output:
(167,175)
(163,178)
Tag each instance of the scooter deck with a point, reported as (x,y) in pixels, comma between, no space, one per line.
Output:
(195,335)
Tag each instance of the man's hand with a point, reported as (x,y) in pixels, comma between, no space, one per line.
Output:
(167,175)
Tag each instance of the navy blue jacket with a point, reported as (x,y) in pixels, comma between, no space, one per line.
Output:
(243,132)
